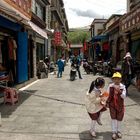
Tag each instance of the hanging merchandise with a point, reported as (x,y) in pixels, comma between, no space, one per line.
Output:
(0,54)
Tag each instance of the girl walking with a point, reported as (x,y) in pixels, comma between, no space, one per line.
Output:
(95,103)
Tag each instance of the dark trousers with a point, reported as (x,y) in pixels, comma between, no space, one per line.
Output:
(79,73)
(59,74)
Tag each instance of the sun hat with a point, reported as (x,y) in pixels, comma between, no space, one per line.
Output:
(128,55)
(117,75)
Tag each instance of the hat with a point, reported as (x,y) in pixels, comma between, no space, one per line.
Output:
(128,55)
(117,75)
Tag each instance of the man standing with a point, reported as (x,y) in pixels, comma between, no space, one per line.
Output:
(127,70)
(60,64)
(76,60)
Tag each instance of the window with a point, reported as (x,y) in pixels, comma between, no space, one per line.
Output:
(40,11)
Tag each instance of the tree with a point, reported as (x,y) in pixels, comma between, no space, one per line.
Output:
(78,36)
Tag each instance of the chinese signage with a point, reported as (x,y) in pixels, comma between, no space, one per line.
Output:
(23,6)
(57,38)
(130,20)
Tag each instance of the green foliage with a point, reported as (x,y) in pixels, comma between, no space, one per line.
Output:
(78,36)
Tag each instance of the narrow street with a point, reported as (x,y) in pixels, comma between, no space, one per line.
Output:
(53,109)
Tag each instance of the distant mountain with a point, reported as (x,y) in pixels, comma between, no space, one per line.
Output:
(85,28)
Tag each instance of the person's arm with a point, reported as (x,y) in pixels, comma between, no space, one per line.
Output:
(123,92)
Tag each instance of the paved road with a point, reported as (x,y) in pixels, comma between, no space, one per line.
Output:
(52,109)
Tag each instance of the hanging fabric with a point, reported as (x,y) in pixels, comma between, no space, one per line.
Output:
(0,54)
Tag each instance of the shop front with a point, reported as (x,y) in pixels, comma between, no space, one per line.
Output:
(100,49)
(135,45)
(40,48)
(13,51)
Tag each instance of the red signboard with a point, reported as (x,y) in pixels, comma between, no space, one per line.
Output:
(130,20)
(23,6)
(57,38)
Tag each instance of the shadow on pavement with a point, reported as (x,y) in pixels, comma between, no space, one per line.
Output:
(134,94)
(85,135)
(7,109)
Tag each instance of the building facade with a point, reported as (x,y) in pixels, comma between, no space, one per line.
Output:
(116,48)
(96,29)
(59,24)
(130,29)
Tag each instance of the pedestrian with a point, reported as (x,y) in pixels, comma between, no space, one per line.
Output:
(115,102)
(127,70)
(60,64)
(77,61)
(94,103)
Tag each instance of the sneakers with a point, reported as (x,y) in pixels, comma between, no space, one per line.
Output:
(93,133)
(114,136)
(119,134)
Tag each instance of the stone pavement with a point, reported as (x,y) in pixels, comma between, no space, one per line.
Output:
(52,109)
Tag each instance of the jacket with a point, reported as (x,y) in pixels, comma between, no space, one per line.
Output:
(93,101)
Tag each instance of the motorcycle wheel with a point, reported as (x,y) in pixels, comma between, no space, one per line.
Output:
(72,78)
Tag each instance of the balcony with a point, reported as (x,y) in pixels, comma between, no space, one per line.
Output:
(38,21)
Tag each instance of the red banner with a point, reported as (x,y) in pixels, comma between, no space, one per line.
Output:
(57,38)
(85,46)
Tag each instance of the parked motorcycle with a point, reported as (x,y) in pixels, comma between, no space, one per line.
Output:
(105,68)
(42,70)
(110,68)
(87,67)
(73,72)
(98,68)
(52,66)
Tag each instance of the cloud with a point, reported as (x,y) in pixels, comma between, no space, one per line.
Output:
(121,11)
(87,13)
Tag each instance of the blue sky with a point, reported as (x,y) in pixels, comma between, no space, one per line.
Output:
(81,13)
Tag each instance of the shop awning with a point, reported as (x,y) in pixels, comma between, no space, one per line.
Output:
(38,29)
(99,38)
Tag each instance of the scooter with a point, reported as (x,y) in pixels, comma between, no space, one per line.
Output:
(73,72)
(87,67)
(98,68)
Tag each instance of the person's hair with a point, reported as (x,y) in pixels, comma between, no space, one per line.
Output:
(97,83)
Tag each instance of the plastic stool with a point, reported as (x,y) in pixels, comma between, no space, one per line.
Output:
(10,96)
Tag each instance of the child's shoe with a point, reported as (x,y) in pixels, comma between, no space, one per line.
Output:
(99,122)
(114,136)
(119,134)
(93,133)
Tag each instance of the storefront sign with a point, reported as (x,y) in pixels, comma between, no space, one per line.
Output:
(57,38)
(130,20)
(23,6)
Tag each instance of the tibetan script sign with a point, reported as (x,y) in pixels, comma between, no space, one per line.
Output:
(130,20)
